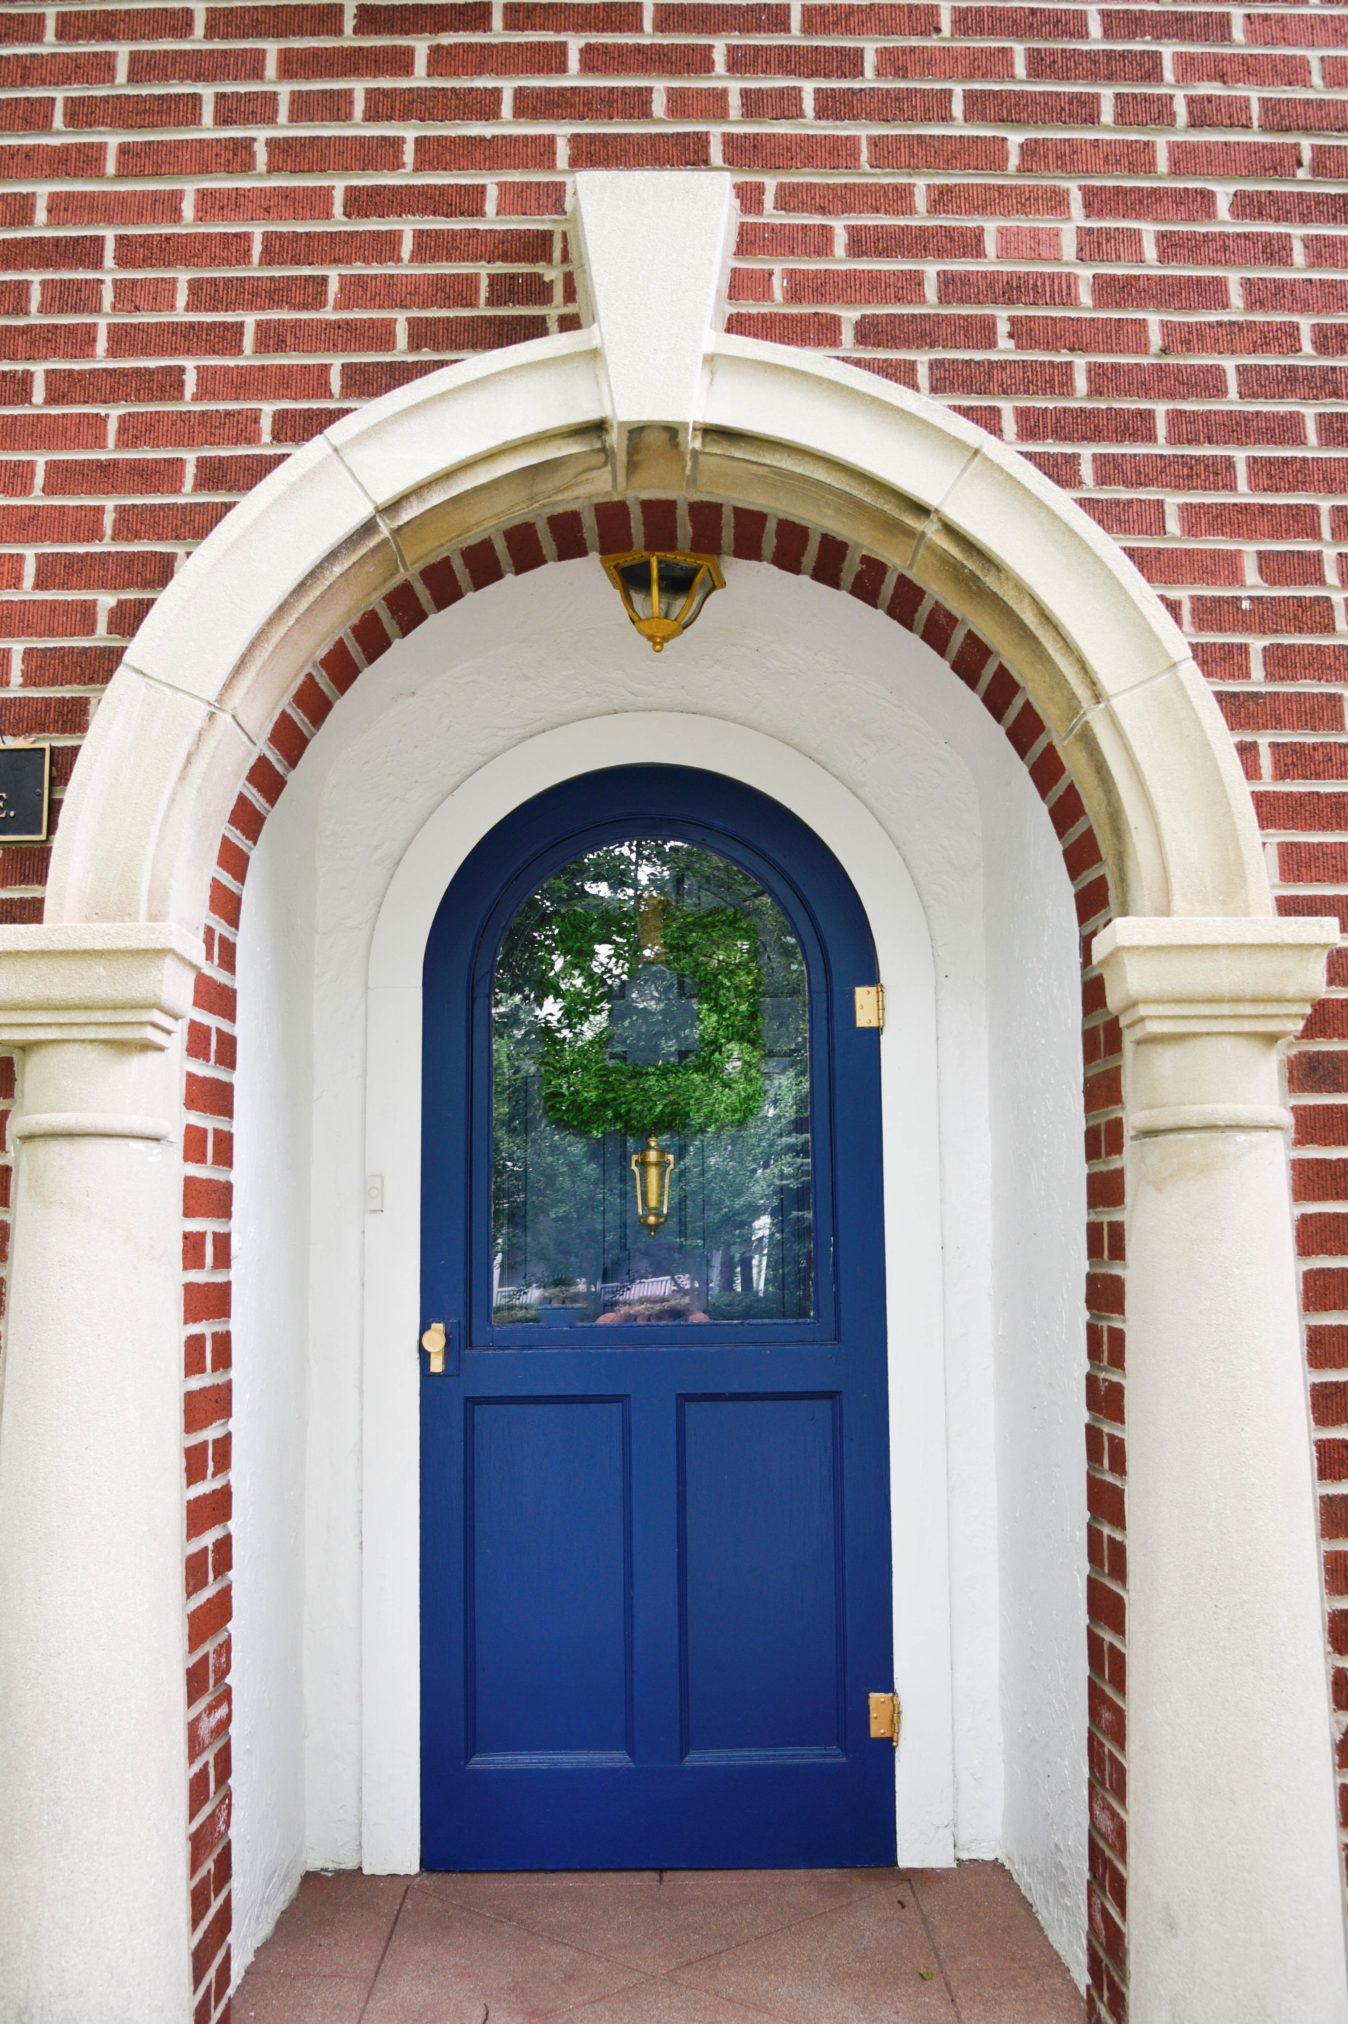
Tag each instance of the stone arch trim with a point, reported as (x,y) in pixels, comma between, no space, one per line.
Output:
(372,503)
(563,535)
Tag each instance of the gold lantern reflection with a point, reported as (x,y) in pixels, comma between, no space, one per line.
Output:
(663,591)
(652,1167)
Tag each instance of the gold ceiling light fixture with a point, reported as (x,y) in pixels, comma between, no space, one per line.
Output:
(663,590)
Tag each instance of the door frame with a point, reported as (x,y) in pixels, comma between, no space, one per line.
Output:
(390,1668)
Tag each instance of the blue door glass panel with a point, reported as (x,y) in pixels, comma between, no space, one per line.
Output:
(735,1239)
(655,1551)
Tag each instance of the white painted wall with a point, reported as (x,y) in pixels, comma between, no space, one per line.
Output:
(910,1128)
(271,1376)
(885,718)
(1039,1264)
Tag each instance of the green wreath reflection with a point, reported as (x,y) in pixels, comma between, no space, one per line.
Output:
(584,955)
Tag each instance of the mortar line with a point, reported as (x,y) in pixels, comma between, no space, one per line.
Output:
(383,1954)
(939,1956)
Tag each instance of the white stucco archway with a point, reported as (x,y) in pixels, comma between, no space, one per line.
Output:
(450,729)
(1233,1885)
(390,1774)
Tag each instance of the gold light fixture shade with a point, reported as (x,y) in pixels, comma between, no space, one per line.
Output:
(663,590)
(652,1167)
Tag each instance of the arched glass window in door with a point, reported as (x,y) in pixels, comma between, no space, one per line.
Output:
(651,1146)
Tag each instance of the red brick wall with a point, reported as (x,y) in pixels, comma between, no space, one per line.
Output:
(1116,237)
(208,1154)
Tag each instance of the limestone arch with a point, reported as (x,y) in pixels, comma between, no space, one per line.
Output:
(1204,976)
(471,448)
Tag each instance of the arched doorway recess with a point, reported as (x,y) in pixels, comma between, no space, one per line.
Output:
(1233,1877)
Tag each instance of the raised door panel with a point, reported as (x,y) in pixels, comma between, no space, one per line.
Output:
(549,1560)
(763,1636)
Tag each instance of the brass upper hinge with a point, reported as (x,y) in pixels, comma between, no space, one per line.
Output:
(886,1715)
(871,1005)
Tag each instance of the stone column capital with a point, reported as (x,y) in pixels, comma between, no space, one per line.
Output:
(125,982)
(1172,976)
(1203,1005)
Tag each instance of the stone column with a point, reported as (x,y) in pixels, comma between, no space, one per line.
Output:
(94,1919)
(1234,1885)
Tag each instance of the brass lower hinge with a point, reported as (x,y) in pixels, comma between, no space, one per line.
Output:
(870,1002)
(886,1715)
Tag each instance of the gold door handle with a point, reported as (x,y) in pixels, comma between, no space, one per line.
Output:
(433,1342)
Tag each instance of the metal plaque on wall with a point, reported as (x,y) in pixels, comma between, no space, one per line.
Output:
(25,793)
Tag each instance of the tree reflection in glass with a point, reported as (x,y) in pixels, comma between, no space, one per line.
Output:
(650,985)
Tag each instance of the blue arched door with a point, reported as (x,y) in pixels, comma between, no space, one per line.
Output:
(654,1477)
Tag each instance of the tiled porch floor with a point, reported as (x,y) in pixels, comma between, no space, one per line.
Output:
(632,1947)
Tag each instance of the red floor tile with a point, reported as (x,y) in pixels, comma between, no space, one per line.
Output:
(993,1948)
(336,1925)
(660,2001)
(447,1964)
(861,1962)
(630,1947)
(654,1930)
(299,1999)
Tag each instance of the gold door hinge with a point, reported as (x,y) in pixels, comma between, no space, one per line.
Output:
(871,1005)
(886,1715)
(433,1342)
